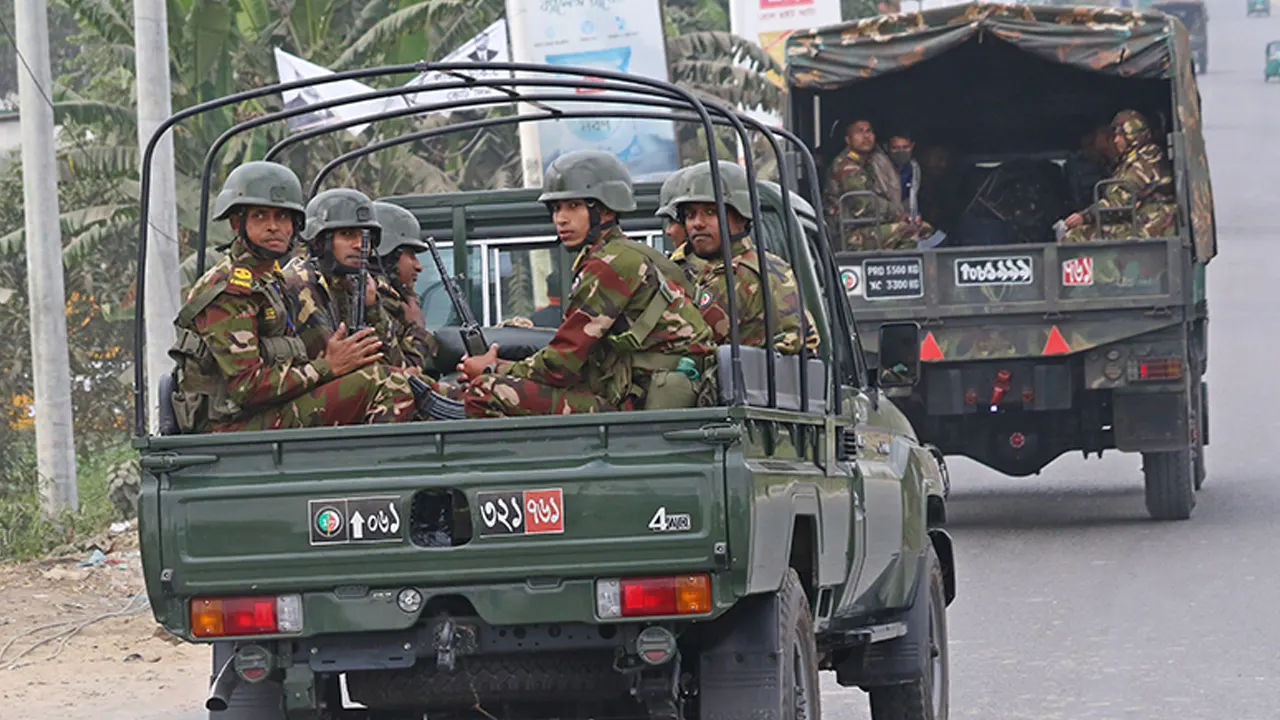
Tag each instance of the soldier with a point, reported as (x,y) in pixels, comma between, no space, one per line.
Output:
(630,337)
(681,254)
(241,364)
(323,280)
(856,170)
(1147,186)
(695,202)
(398,258)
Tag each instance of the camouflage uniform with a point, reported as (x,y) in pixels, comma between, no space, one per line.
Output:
(412,345)
(688,262)
(850,172)
(322,288)
(1148,184)
(627,320)
(712,282)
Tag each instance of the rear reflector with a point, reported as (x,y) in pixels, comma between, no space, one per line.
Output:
(236,616)
(1156,369)
(654,596)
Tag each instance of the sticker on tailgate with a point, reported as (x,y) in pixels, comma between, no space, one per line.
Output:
(1005,270)
(516,512)
(893,278)
(339,521)
(1077,272)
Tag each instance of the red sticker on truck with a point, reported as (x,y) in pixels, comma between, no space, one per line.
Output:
(515,512)
(1077,272)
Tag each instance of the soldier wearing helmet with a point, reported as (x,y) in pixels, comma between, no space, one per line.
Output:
(681,254)
(241,363)
(630,337)
(1142,204)
(410,345)
(340,223)
(695,202)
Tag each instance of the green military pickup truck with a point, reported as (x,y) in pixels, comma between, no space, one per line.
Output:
(695,563)
(1030,348)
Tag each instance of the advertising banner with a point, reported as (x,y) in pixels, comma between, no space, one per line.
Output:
(291,68)
(770,22)
(489,46)
(618,35)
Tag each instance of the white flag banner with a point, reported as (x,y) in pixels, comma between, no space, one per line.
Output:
(488,46)
(291,68)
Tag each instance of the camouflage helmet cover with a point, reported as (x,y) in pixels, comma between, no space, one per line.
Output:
(261,184)
(669,188)
(338,209)
(696,187)
(1131,125)
(589,175)
(400,229)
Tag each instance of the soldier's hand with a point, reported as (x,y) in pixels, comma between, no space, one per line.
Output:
(1074,220)
(351,353)
(473,367)
(413,312)
(370,292)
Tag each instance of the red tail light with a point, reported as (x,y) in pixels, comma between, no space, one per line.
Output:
(1156,369)
(648,597)
(234,616)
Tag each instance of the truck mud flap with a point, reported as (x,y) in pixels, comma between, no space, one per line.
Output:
(1150,422)
(896,661)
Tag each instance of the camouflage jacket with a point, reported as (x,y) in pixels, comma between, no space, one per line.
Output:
(688,261)
(1148,180)
(252,355)
(852,172)
(784,293)
(616,280)
(410,343)
(323,303)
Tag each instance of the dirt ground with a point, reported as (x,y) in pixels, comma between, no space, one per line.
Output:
(91,666)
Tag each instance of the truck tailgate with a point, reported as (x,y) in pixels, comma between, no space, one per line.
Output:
(315,509)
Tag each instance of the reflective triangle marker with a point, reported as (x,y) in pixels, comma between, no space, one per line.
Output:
(929,349)
(1056,344)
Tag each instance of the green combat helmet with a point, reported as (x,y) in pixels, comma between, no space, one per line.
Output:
(341,208)
(262,184)
(696,187)
(670,186)
(400,229)
(592,175)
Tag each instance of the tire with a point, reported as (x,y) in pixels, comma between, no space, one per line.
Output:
(1170,484)
(124,484)
(791,685)
(929,696)
(250,701)
(1201,423)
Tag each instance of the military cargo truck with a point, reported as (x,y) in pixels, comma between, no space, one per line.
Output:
(1030,348)
(692,563)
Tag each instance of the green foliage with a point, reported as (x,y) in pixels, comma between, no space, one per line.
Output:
(24,531)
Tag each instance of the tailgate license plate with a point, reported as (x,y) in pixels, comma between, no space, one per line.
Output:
(521,512)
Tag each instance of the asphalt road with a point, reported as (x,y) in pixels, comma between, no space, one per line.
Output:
(1072,603)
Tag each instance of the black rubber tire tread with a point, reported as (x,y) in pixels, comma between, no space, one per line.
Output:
(912,701)
(249,701)
(795,626)
(124,484)
(524,677)
(1170,487)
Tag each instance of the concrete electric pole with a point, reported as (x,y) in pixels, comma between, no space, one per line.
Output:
(163,282)
(50,367)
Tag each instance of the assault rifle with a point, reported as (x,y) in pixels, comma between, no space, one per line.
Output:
(472,337)
(357,300)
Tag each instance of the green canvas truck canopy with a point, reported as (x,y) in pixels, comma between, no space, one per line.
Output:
(1115,43)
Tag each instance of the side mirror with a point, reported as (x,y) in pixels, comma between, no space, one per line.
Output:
(899,364)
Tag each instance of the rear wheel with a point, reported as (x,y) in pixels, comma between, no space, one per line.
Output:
(794,686)
(928,697)
(1170,484)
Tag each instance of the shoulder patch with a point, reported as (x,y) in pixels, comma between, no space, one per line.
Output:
(704,299)
(241,280)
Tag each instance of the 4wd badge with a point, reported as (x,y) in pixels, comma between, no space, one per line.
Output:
(1008,270)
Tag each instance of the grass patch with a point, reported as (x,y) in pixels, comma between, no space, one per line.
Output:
(24,531)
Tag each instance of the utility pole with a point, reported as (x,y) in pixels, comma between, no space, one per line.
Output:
(163,282)
(50,366)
